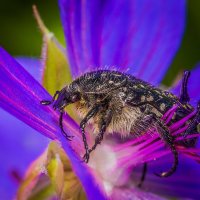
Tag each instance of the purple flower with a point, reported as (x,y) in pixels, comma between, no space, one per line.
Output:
(140,37)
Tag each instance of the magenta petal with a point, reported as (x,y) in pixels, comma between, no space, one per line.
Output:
(20,94)
(193,86)
(135,34)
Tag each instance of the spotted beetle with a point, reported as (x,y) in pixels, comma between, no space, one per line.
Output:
(119,102)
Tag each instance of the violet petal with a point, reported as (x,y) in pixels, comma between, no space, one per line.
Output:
(134,194)
(20,144)
(32,65)
(135,34)
(20,94)
(183,184)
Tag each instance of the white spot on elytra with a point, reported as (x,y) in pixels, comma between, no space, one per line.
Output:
(142,86)
(162,106)
(121,94)
(150,98)
(117,84)
(142,98)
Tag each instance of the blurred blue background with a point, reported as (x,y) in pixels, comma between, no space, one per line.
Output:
(20,36)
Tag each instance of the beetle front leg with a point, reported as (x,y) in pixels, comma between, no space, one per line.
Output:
(83,123)
(104,122)
(68,137)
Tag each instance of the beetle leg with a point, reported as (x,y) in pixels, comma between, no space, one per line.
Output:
(105,121)
(61,127)
(83,123)
(184,96)
(46,102)
(165,134)
(144,172)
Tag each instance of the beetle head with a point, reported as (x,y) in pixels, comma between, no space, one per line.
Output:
(66,96)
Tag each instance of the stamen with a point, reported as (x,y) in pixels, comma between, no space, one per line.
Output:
(135,141)
(181,122)
(188,137)
(169,111)
(170,117)
(181,130)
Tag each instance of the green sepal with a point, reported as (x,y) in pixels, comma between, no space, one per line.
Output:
(66,184)
(55,71)
(36,184)
(51,176)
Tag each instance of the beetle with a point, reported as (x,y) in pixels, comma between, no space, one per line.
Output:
(117,102)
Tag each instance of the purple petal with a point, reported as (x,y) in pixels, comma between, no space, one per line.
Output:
(193,86)
(135,34)
(32,65)
(20,94)
(20,144)
(183,184)
(134,194)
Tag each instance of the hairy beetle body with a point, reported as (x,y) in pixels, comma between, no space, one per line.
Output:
(120,103)
(122,90)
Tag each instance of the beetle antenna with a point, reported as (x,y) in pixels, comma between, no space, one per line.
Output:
(46,102)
